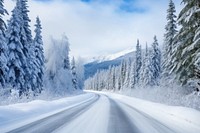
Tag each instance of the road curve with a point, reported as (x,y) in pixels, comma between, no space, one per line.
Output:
(102,114)
(119,121)
(155,125)
(51,123)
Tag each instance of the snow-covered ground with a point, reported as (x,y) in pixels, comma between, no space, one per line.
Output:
(171,95)
(110,113)
(180,119)
(16,115)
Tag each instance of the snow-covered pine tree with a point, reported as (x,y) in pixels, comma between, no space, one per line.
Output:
(123,73)
(113,78)
(147,73)
(3,11)
(66,61)
(27,61)
(74,74)
(119,79)
(26,21)
(132,75)
(58,78)
(28,48)
(97,82)
(138,62)
(184,57)
(3,46)
(109,76)
(88,84)
(128,71)
(15,51)
(80,73)
(170,32)
(197,58)
(102,80)
(39,56)
(117,74)
(156,61)
(143,67)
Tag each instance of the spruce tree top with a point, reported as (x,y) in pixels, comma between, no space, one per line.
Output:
(3,11)
(26,20)
(38,31)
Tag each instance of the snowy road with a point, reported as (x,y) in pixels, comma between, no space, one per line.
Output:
(50,123)
(110,113)
(119,121)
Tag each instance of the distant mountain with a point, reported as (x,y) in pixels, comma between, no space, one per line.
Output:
(111,57)
(103,62)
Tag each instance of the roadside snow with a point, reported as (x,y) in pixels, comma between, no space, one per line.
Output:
(180,119)
(16,115)
(173,95)
(147,116)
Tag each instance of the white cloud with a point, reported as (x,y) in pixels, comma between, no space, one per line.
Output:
(96,28)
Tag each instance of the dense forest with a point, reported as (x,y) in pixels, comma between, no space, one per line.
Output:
(175,63)
(24,70)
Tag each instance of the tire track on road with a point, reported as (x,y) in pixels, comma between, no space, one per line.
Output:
(159,126)
(49,124)
(119,122)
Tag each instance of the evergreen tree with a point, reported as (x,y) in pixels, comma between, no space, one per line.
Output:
(60,81)
(74,75)
(197,58)
(66,61)
(123,72)
(132,75)
(185,55)
(26,21)
(156,61)
(169,37)
(109,76)
(3,11)
(15,51)
(138,62)
(80,73)
(147,73)
(143,67)
(28,48)
(113,78)
(39,57)
(3,46)
(119,79)
(128,71)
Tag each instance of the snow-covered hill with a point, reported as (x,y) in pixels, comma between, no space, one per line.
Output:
(103,62)
(110,57)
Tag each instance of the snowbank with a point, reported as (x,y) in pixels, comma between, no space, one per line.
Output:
(171,95)
(16,115)
(180,119)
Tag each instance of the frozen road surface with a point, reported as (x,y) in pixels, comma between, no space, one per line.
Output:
(100,113)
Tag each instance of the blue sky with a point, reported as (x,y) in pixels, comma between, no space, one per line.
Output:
(126,6)
(100,27)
